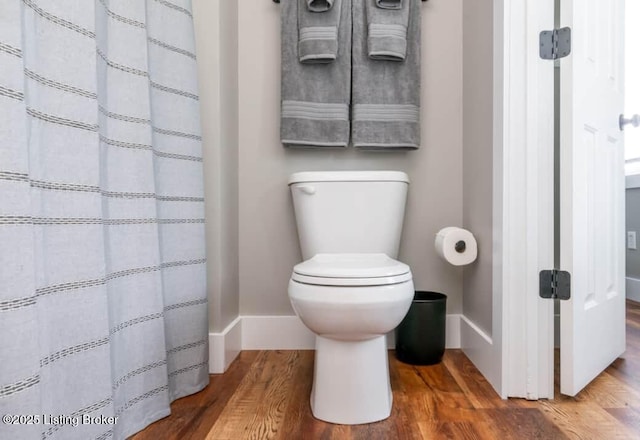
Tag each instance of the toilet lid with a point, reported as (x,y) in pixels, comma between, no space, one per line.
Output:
(351,270)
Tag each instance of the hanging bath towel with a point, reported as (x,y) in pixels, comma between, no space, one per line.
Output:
(316,73)
(386,75)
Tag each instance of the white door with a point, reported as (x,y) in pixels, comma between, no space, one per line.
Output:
(592,322)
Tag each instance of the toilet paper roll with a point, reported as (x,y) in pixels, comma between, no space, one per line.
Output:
(456,245)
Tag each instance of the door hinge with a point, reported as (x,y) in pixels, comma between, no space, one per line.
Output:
(555,44)
(555,284)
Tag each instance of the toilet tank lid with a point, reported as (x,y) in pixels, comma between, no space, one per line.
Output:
(348,176)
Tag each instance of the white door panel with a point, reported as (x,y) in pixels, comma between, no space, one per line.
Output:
(592,191)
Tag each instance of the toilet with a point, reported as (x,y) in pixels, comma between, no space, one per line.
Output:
(349,290)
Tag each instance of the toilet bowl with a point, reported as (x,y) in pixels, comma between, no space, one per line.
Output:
(350,301)
(349,290)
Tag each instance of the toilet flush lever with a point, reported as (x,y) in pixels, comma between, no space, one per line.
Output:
(308,189)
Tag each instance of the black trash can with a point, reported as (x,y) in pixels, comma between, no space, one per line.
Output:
(420,337)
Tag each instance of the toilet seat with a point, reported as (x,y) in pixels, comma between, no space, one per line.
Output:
(351,270)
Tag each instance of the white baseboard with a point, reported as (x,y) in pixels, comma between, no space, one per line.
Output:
(289,333)
(225,346)
(275,333)
(478,346)
(282,333)
(453,331)
(633,289)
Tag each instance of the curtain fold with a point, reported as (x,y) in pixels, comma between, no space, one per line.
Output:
(103,310)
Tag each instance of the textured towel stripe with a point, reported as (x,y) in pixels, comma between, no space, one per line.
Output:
(121,18)
(61,121)
(60,86)
(10,50)
(386,112)
(311,115)
(57,20)
(172,48)
(387,30)
(69,351)
(319,33)
(175,7)
(10,93)
(21,385)
(174,91)
(387,26)
(315,110)
(387,107)
(138,371)
(383,34)
(315,106)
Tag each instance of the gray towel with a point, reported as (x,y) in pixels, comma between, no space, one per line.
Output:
(318,23)
(319,5)
(387,29)
(315,97)
(389,4)
(386,94)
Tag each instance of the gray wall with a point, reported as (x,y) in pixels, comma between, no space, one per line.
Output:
(216,29)
(478,157)
(633,224)
(268,243)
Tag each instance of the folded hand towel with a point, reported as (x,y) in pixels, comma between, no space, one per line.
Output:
(318,24)
(389,4)
(387,30)
(315,96)
(319,5)
(386,94)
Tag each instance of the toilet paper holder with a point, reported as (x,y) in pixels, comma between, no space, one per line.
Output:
(460,246)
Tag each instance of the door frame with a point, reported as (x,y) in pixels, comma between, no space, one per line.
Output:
(524,159)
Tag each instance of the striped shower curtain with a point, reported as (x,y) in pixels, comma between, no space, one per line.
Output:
(103,314)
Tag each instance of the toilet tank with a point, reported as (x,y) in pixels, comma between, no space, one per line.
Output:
(349,211)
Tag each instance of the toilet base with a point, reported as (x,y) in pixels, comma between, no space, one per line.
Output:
(351,381)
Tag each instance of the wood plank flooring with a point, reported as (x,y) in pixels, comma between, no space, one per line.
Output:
(265,395)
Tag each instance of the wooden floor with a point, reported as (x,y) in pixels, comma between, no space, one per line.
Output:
(265,394)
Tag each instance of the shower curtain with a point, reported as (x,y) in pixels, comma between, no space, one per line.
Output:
(103,314)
